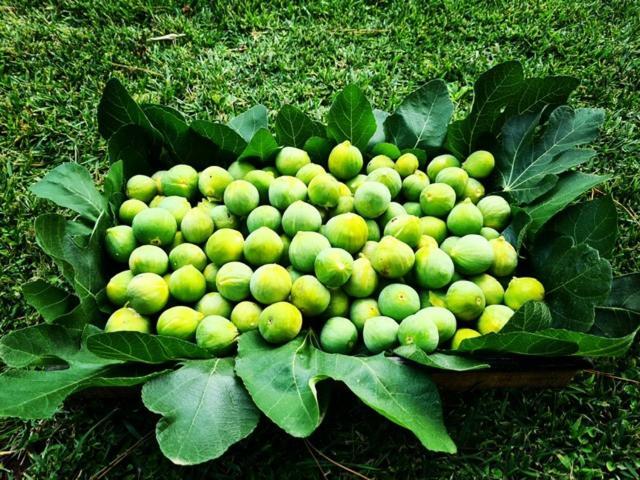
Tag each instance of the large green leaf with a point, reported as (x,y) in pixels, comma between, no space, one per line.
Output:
(294,128)
(530,317)
(229,144)
(403,394)
(114,185)
(117,108)
(539,343)
(422,118)
(30,394)
(538,93)
(595,345)
(492,92)
(351,118)
(135,148)
(500,93)
(594,223)
(204,410)
(282,381)
(566,190)
(71,186)
(576,279)
(147,107)
(50,301)
(261,147)
(248,123)
(441,361)
(516,231)
(319,149)
(38,345)
(379,135)
(143,347)
(528,163)
(619,314)
(81,261)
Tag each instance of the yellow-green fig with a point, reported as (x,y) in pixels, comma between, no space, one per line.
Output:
(522,290)
(232,281)
(245,316)
(301,216)
(179,321)
(127,320)
(474,190)
(463,334)
(434,227)
(465,300)
(180,180)
(310,296)
(464,219)
(324,191)
(413,185)
(187,284)
(372,199)
(439,163)
(338,335)
(392,258)
(333,267)
(494,318)
(406,164)
(213,303)
(241,197)
(216,334)
(380,161)
(117,287)
(129,209)
(472,254)
(263,246)
(285,190)
(389,178)
(406,228)
(495,211)
(280,322)
(270,284)
(345,161)
(361,310)
(479,164)
(347,231)
(147,293)
(141,188)
(433,268)
(225,245)
(120,242)
(364,279)
(437,199)
(419,330)
(491,288)
(290,160)
(309,171)
(304,249)
(455,177)
(212,182)
(505,257)
(196,226)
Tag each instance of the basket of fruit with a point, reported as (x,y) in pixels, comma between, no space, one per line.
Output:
(232,269)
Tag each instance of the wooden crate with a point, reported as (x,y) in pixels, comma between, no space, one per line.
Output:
(513,372)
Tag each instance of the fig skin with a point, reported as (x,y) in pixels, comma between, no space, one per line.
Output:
(522,290)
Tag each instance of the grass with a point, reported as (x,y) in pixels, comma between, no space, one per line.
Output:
(56,56)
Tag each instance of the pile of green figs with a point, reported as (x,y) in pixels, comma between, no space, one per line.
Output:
(369,251)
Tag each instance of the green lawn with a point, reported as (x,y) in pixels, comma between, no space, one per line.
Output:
(56,56)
